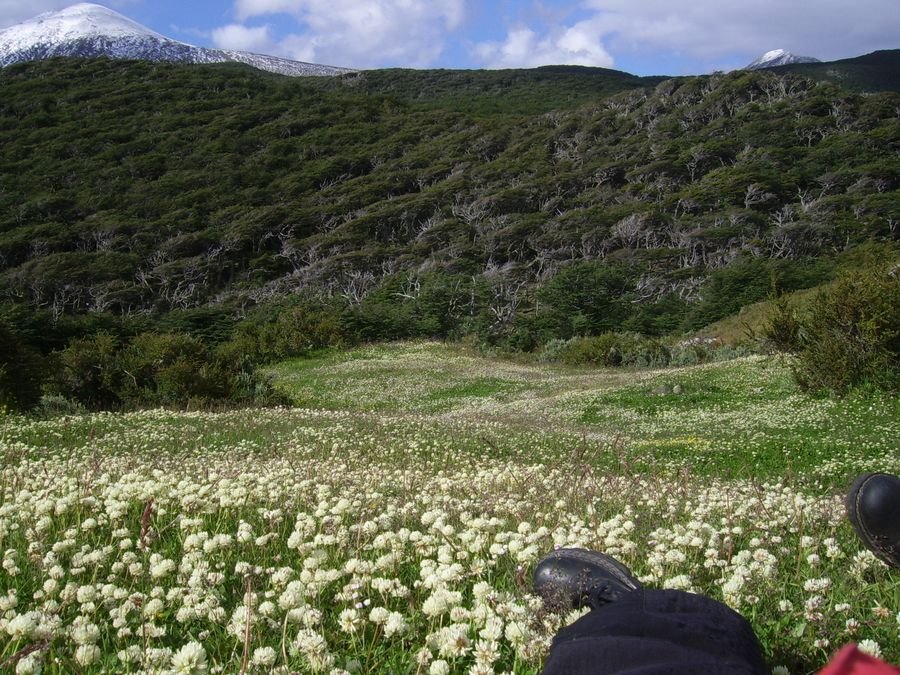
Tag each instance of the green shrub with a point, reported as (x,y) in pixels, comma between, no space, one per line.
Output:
(851,334)
(553,350)
(781,331)
(688,355)
(586,298)
(87,371)
(54,405)
(22,372)
(153,369)
(616,349)
(749,280)
(294,331)
(168,368)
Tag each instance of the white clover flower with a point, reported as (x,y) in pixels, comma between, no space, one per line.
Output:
(86,654)
(682,582)
(482,590)
(86,594)
(22,626)
(237,626)
(870,647)
(349,620)
(162,568)
(459,614)
(30,665)
(132,654)
(516,632)
(263,657)
(486,652)
(217,615)
(190,660)
(817,585)
(880,612)
(453,640)
(439,667)
(311,617)
(832,550)
(423,657)
(675,556)
(244,533)
(84,632)
(281,576)
(379,615)
(310,642)
(151,630)
(153,607)
(395,625)
(158,656)
(435,604)
(780,670)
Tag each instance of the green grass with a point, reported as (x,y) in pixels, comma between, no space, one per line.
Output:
(738,419)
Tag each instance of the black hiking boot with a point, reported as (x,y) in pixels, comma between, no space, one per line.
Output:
(873,506)
(571,578)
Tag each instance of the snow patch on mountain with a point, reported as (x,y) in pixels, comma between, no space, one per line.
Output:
(90,30)
(779,57)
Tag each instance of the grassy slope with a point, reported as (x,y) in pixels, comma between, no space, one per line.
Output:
(743,418)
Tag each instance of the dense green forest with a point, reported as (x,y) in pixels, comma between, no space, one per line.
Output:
(271,215)
(878,71)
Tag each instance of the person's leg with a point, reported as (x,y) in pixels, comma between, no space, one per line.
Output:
(635,630)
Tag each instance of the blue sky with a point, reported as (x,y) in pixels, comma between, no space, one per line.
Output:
(639,36)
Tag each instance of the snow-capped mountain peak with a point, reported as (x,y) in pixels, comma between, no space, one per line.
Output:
(779,57)
(76,22)
(90,30)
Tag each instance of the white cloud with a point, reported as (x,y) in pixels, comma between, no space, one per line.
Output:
(827,29)
(242,38)
(362,33)
(524,48)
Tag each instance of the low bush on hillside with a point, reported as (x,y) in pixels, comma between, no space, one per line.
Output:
(623,349)
(21,372)
(154,369)
(616,349)
(849,335)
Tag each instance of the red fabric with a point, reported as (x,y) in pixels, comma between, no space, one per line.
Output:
(851,661)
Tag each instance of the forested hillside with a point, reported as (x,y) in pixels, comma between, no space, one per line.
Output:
(878,71)
(438,205)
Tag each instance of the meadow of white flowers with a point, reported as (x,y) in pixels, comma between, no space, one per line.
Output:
(402,540)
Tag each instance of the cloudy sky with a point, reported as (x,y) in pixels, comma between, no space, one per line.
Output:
(639,36)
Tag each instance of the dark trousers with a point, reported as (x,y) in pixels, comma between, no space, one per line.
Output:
(652,631)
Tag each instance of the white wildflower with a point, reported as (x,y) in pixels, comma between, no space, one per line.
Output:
(190,660)
(263,657)
(870,647)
